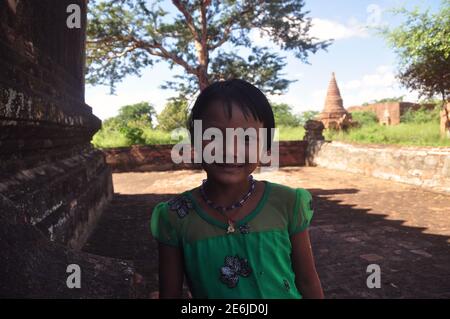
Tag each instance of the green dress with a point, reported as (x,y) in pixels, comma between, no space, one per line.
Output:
(252,262)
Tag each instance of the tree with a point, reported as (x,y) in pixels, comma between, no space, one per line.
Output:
(307,115)
(174,115)
(423,46)
(140,114)
(131,121)
(125,36)
(385,100)
(284,116)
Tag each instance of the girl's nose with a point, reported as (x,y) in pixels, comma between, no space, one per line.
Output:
(234,151)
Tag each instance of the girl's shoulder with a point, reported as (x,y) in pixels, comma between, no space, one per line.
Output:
(178,204)
(288,193)
(295,203)
(167,218)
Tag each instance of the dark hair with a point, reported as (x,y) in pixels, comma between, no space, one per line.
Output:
(241,93)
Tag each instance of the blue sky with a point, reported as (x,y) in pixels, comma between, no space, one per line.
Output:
(365,67)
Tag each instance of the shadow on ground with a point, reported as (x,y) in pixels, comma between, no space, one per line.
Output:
(345,241)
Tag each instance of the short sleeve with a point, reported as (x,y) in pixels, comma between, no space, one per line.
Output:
(303,211)
(162,228)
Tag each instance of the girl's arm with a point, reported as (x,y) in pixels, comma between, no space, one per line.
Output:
(171,273)
(306,278)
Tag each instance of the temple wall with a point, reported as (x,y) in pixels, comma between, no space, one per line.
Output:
(423,167)
(53,184)
(158,157)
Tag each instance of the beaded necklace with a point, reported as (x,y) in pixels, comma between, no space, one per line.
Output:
(221,209)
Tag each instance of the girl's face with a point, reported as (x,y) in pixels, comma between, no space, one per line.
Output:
(215,116)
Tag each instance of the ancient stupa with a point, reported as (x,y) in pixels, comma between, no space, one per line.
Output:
(334,115)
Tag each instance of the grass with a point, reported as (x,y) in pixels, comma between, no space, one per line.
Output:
(290,133)
(413,134)
(113,138)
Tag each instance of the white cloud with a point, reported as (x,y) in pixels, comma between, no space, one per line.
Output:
(378,85)
(324,29)
(284,98)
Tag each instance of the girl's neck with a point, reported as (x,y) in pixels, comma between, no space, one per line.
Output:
(226,194)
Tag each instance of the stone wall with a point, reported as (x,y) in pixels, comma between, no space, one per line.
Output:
(53,183)
(158,157)
(420,166)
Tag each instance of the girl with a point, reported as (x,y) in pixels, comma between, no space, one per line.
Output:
(234,236)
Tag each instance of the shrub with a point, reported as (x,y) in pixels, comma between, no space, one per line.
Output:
(422,115)
(365,118)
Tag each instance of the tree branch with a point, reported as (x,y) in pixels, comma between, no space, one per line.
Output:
(204,5)
(164,53)
(228,27)
(188,18)
(204,39)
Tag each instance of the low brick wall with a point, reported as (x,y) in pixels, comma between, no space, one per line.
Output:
(157,157)
(421,166)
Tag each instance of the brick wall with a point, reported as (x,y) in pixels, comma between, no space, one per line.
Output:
(158,157)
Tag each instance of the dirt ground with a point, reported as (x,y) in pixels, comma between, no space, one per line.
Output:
(357,221)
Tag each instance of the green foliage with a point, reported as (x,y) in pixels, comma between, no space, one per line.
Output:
(423,47)
(307,115)
(422,115)
(261,68)
(109,136)
(134,134)
(125,36)
(173,115)
(284,116)
(417,134)
(127,127)
(140,114)
(364,117)
(145,136)
(385,100)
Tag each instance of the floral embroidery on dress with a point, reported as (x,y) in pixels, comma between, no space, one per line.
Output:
(181,205)
(244,228)
(233,268)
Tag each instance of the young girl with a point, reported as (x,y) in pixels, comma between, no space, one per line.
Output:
(234,236)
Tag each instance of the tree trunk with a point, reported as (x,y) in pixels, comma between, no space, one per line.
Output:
(445,116)
(445,119)
(202,78)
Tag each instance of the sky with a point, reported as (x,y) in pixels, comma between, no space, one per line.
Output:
(364,65)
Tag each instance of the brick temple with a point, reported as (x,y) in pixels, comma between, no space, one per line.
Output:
(334,114)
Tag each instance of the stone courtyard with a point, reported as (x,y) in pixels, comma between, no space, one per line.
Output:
(358,221)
